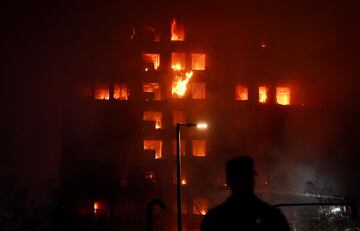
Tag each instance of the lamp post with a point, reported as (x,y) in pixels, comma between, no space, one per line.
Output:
(178,167)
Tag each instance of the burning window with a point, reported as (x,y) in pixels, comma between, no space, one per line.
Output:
(151,61)
(198,61)
(178,117)
(283,95)
(199,148)
(179,85)
(178,61)
(101,208)
(241,93)
(198,90)
(177,31)
(155,145)
(182,147)
(121,92)
(101,92)
(200,206)
(153,116)
(154,89)
(263,94)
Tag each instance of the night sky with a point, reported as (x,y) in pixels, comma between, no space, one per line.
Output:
(43,44)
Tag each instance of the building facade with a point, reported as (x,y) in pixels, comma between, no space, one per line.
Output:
(119,148)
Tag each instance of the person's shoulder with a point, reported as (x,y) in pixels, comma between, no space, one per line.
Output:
(217,210)
(214,218)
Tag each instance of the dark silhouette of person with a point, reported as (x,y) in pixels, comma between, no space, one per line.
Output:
(243,210)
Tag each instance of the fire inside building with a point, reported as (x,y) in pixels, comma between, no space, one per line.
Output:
(119,140)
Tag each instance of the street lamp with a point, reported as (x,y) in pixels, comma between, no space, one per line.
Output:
(178,166)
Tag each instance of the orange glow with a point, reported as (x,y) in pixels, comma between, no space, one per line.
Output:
(154,116)
(263,94)
(241,93)
(283,95)
(101,208)
(182,147)
(178,61)
(199,148)
(153,88)
(179,86)
(121,92)
(198,90)
(198,61)
(178,117)
(102,92)
(133,33)
(155,145)
(183,181)
(151,60)
(200,206)
(183,207)
(177,31)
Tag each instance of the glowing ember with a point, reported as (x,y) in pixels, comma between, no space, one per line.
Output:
(263,94)
(179,85)
(150,176)
(96,205)
(203,212)
(200,206)
(183,181)
(283,95)
(177,31)
(101,208)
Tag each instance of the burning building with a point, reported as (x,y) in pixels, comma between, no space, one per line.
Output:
(119,133)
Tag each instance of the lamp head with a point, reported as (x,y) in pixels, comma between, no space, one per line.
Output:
(200,125)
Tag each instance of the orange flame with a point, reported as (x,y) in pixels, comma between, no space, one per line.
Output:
(283,95)
(263,94)
(179,86)
(183,181)
(96,205)
(177,67)
(203,212)
(177,31)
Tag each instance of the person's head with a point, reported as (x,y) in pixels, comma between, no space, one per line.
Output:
(240,175)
